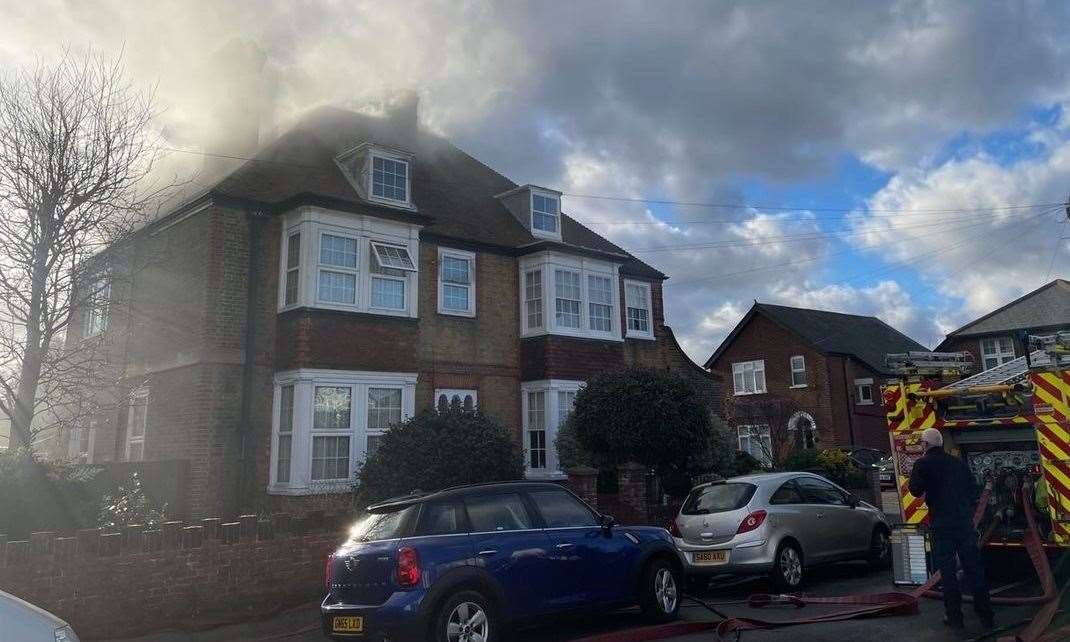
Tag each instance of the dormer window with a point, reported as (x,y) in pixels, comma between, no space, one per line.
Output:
(544,213)
(379,174)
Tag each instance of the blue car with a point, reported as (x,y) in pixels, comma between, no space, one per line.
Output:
(466,564)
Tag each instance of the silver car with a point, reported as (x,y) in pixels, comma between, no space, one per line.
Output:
(779,524)
(21,621)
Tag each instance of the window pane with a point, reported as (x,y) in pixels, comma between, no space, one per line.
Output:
(137,451)
(786,494)
(393,257)
(638,313)
(816,491)
(332,408)
(282,470)
(537,429)
(384,408)
(291,286)
(286,409)
(338,250)
(388,293)
(497,513)
(388,178)
(293,251)
(336,287)
(533,297)
(441,519)
(455,270)
(567,289)
(544,213)
(559,509)
(330,458)
(600,295)
(454,297)
(372,445)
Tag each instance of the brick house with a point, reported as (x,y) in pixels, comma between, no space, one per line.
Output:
(827,366)
(996,337)
(357,271)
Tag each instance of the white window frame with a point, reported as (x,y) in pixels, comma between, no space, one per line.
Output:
(462,255)
(860,384)
(741,368)
(312,223)
(638,334)
(139,396)
(397,158)
(287,239)
(552,411)
(363,182)
(527,302)
(459,393)
(798,369)
(745,434)
(86,433)
(305,382)
(547,264)
(97,306)
(337,269)
(554,234)
(1000,355)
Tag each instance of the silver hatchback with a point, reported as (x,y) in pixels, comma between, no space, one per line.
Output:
(778,524)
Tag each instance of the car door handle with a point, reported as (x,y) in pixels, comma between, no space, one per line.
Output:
(565,546)
(489,551)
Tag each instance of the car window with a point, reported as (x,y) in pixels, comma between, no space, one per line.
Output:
(385,524)
(505,512)
(788,493)
(441,519)
(820,492)
(718,498)
(559,509)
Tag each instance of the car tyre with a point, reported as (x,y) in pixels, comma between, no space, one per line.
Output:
(788,571)
(659,592)
(880,549)
(466,616)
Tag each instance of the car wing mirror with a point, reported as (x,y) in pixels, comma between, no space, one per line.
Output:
(608,522)
(853,501)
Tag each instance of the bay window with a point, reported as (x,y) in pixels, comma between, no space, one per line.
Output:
(327,422)
(583,300)
(353,263)
(546,406)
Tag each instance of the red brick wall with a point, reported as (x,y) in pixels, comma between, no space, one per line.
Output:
(176,577)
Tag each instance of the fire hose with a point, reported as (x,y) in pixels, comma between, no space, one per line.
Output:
(895,603)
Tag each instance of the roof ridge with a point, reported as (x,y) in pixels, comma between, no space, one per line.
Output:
(1006,306)
(845,314)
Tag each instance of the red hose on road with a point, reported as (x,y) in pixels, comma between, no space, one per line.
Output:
(893,603)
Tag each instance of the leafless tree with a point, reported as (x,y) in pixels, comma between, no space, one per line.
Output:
(788,424)
(76,161)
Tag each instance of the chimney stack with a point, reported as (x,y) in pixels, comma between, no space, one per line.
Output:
(403,109)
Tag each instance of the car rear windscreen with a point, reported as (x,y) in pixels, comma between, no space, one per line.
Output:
(718,498)
(385,524)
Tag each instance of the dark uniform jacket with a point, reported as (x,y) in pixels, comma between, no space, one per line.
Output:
(948,487)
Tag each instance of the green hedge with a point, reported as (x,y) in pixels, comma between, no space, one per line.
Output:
(37,495)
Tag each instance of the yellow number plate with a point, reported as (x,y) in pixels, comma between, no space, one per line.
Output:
(710,557)
(347,624)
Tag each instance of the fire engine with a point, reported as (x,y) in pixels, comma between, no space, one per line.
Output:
(1009,424)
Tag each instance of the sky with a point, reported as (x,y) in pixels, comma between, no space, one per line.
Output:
(902,159)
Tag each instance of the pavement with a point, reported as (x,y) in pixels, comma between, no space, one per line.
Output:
(301,624)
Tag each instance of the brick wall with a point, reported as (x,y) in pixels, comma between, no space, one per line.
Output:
(179,575)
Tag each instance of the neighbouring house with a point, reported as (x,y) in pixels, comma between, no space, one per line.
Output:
(354,272)
(824,367)
(997,337)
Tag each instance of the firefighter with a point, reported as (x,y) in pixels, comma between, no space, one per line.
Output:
(951,494)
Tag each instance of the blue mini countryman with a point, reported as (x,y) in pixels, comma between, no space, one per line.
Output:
(465,564)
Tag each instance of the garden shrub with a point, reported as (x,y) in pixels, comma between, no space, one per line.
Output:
(129,505)
(438,449)
(38,495)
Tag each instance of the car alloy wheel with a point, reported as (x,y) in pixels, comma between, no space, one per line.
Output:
(790,566)
(665,590)
(880,549)
(467,623)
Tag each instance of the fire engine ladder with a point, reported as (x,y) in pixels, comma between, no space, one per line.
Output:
(1049,351)
(929,363)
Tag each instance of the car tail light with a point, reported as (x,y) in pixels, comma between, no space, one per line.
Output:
(674,529)
(327,572)
(751,522)
(408,567)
